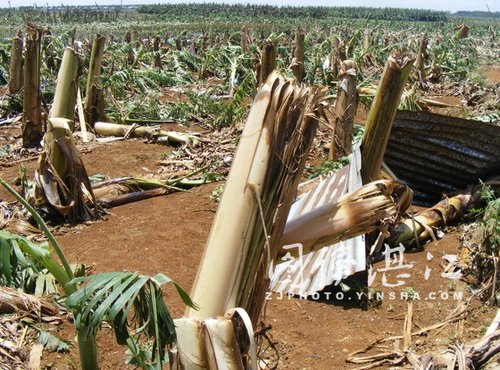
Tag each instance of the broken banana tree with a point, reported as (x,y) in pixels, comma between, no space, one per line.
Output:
(32,130)
(16,66)
(422,226)
(248,226)
(345,110)
(94,99)
(115,192)
(382,113)
(62,181)
(152,133)
(356,213)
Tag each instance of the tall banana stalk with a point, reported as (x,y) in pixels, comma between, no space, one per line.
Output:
(334,57)
(32,131)
(94,107)
(130,50)
(345,110)
(382,113)
(244,39)
(16,66)
(367,40)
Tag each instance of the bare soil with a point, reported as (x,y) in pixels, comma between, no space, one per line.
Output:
(492,73)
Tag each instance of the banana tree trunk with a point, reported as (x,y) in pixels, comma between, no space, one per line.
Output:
(353,214)
(67,87)
(421,56)
(421,226)
(130,52)
(367,40)
(249,222)
(334,57)
(244,39)
(32,131)
(268,61)
(345,110)
(16,66)
(61,175)
(152,133)
(248,225)
(94,104)
(156,49)
(381,115)
(298,66)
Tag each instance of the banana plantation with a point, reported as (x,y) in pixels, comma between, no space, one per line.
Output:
(204,186)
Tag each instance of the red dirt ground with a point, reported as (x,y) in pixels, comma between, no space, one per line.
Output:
(167,234)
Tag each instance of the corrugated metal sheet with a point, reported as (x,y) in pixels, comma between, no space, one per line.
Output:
(437,154)
(314,271)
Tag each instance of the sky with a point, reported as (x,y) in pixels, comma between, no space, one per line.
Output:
(445,5)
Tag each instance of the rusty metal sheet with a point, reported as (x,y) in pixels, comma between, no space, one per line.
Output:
(438,155)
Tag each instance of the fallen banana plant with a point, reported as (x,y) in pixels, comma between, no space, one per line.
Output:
(356,213)
(247,228)
(13,300)
(312,272)
(422,226)
(115,192)
(152,133)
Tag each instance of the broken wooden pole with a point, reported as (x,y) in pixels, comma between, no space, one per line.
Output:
(381,115)
(345,110)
